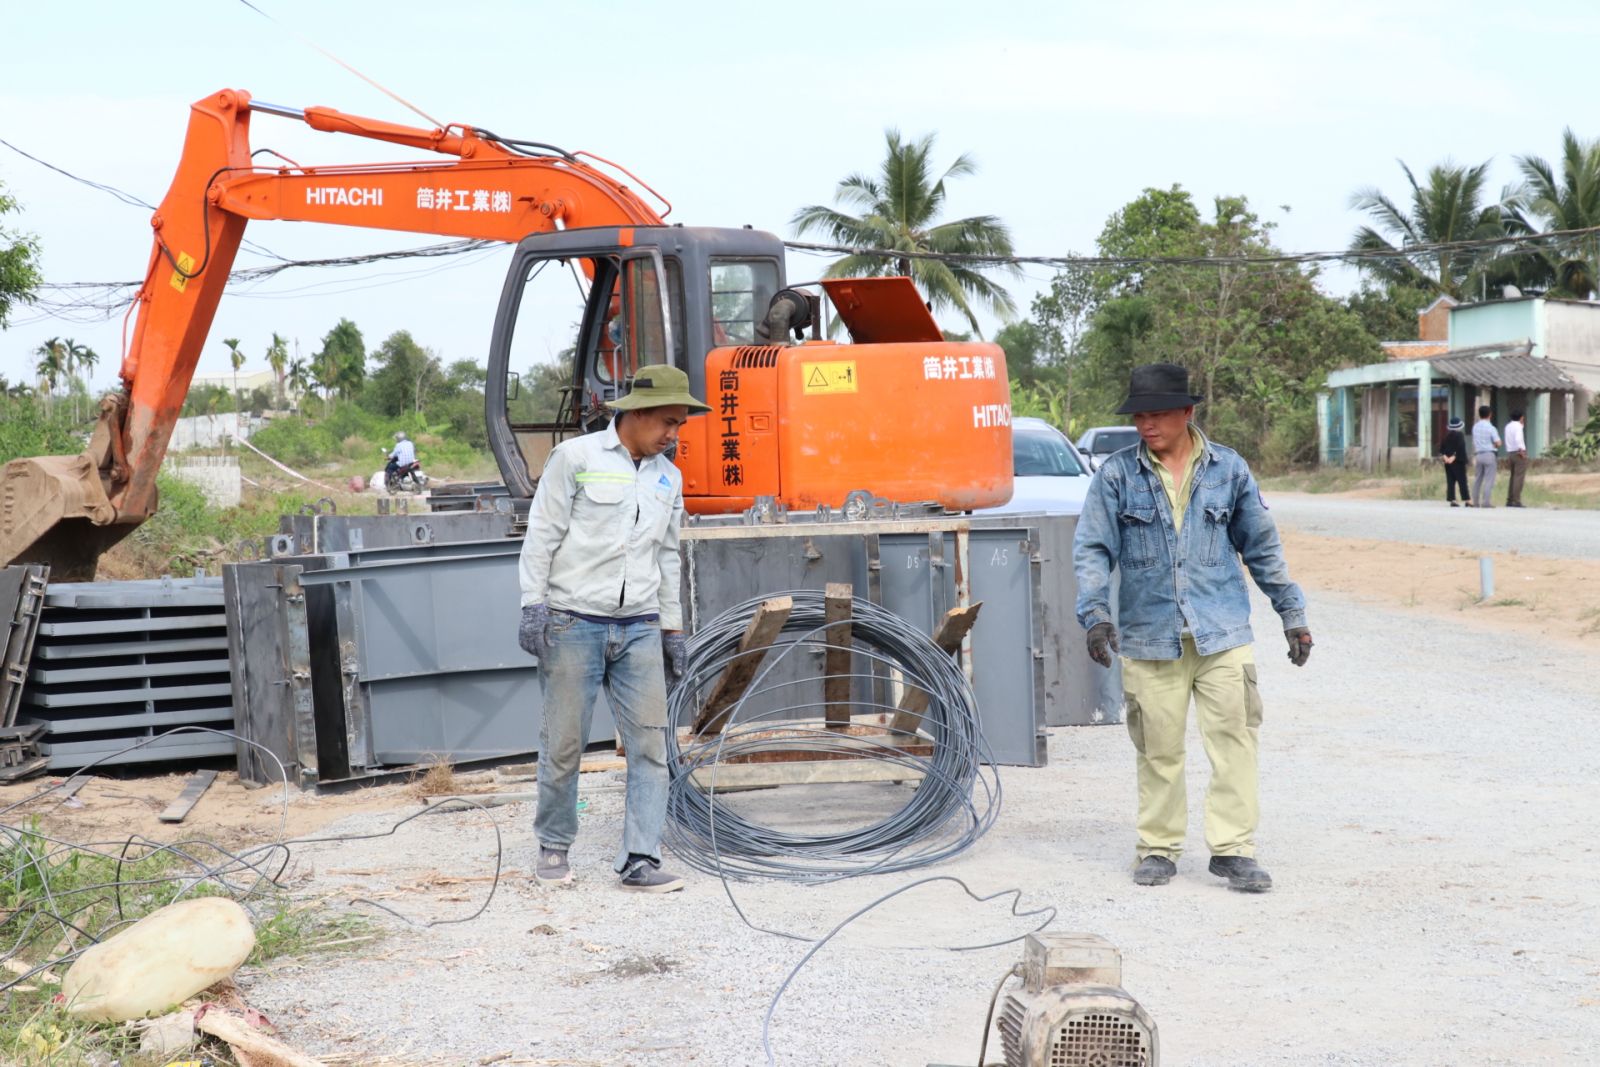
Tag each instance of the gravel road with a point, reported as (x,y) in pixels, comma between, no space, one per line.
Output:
(1531,531)
(1423,794)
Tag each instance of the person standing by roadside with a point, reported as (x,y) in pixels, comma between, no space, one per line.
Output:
(1485,461)
(1174,516)
(601,609)
(1516,457)
(1453,451)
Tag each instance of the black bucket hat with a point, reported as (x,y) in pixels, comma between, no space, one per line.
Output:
(1158,387)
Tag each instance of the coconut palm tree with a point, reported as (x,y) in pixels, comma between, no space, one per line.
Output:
(51,367)
(299,377)
(235,357)
(277,358)
(1569,200)
(1447,207)
(79,357)
(899,211)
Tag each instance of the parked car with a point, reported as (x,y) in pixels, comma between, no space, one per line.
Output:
(1100,442)
(1049,475)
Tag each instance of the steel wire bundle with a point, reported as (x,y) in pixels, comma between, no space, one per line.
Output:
(955,802)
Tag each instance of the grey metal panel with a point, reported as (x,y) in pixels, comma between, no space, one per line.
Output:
(1078,691)
(74,754)
(1003,574)
(268,689)
(123,648)
(428,660)
(64,625)
(147,593)
(134,694)
(315,534)
(60,675)
(22,589)
(218,715)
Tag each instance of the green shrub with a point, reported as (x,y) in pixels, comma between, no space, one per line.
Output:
(27,429)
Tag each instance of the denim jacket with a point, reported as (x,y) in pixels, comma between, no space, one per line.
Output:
(1176,581)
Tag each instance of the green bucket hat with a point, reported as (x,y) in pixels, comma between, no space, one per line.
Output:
(657,386)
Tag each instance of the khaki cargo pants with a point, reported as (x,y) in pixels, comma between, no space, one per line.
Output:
(1228,711)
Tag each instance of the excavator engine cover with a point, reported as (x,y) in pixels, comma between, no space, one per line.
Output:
(863,416)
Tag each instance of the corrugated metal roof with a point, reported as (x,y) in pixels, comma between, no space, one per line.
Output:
(1505,372)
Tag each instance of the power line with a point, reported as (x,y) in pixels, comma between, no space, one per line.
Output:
(1508,244)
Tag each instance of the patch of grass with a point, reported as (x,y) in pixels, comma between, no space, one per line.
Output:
(58,899)
(1539,496)
(1507,602)
(439,780)
(1592,617)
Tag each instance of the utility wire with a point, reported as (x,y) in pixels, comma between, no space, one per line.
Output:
(1511,243)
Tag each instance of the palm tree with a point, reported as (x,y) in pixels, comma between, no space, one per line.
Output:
(236,357)
(299,377)
(1568,202)
(79,357)
(899,211)
(1448,207)
(51,367)
(277,357)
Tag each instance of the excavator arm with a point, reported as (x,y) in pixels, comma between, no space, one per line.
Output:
(67,510)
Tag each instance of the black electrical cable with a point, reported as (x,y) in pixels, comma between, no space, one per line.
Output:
(958,795)
(988,1019)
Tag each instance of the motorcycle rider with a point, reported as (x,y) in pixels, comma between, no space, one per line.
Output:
(404,456)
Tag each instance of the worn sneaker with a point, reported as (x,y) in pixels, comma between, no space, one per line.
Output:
(552,868)
(1242,873)
(1154,870)
(643,876)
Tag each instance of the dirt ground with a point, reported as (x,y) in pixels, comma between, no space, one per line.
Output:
(1427,911)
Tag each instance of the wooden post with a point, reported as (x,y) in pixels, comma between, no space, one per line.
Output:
(764,628)
(837,661)
(952,631)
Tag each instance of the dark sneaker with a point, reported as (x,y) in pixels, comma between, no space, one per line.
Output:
(642,876)
(1154,870)
(552,868)
(1242,872)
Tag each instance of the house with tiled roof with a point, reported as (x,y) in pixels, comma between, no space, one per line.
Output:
(1531,354)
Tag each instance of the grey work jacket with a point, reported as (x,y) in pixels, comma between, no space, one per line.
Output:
(602,534)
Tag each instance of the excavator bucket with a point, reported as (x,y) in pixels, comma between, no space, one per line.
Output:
(53,509)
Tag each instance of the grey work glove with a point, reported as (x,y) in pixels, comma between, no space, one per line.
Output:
(675,650)
(1103,642)
(1299,645)
(533,633)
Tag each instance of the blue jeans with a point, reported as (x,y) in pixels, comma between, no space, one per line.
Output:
(625,659)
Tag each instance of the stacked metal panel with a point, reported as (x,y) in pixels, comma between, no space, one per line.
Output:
(115,663)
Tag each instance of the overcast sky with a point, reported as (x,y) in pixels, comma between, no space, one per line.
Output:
(740,115)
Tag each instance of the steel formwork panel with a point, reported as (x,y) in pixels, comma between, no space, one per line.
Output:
(107,664)
(22,590)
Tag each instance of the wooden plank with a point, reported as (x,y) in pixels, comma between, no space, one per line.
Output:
(764,628)
(953,629)
(725,779)
(837,660)
(198,783)
(806,743)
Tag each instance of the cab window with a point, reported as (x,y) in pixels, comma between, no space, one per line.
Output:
(740,293)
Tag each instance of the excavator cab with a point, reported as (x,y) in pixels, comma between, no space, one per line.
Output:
(583,309)
(900,414)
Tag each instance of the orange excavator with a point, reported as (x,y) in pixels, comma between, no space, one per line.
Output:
(898,413)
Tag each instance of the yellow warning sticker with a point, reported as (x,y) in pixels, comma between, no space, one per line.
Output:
(837,376)
(180,277)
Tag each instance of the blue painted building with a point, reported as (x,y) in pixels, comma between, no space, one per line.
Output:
(1532,354)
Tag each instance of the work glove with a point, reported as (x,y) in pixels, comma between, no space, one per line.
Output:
(1103,642)
(1299,645)
(533,633)
(675,651)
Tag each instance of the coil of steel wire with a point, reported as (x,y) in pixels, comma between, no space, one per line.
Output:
(952,794)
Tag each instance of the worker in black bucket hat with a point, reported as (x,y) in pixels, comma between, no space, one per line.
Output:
(1455,457)
(1179,519)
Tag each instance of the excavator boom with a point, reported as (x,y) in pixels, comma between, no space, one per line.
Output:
(67,510)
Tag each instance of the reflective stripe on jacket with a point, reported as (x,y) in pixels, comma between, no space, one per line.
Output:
(1168,581)
(603,535)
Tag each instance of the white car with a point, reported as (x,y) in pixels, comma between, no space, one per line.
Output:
(1049,475)
(1098,443)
